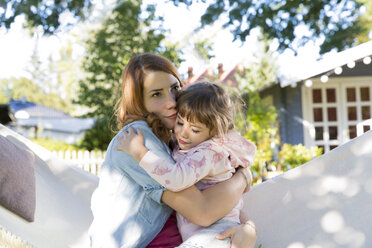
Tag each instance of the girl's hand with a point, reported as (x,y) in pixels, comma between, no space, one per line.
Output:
(132,143)
(242,236)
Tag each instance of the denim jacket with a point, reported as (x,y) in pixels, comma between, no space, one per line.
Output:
(126,205)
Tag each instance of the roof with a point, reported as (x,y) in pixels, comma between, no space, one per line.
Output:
(30,114)
(66,125)
(224,77)
(36,110)
(302,71)
(198,77)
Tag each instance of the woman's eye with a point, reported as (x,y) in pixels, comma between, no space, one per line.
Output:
(176,88)
(157,94)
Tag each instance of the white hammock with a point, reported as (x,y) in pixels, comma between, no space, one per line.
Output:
(324,203)
(62,214)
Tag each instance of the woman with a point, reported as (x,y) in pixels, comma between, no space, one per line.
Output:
(130,208)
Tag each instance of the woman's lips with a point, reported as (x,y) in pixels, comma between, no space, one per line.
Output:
(174,116)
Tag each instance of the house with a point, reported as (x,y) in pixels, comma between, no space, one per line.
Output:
(321,103)
(222,76)
(328,102)
(35,120)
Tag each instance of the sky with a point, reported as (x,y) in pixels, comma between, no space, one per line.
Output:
(16,45)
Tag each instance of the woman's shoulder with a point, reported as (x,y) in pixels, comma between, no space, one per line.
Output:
(147,132)
(137,124)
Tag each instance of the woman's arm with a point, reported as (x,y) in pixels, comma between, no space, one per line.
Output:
(206,207)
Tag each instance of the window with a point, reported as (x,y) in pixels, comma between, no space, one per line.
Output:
(336,111)
(358,106)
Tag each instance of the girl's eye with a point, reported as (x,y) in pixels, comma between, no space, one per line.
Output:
(195,131)
(179,123)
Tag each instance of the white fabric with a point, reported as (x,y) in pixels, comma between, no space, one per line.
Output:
(63,192)
(325,203)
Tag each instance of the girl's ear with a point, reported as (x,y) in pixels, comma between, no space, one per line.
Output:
(212,133)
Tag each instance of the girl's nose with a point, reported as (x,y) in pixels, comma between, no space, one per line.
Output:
(184,132)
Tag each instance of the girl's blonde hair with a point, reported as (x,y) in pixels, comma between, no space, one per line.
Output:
(130,106)
(209,104)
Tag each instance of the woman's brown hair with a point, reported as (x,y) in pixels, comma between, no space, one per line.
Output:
(130,107)
(209,104)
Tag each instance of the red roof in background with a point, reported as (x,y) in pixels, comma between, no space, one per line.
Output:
(224,77)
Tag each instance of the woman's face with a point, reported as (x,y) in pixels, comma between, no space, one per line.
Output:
(159,96)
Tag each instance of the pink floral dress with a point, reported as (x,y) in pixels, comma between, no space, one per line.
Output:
(208,163)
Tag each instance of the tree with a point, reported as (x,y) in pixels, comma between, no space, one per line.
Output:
(67,72)
(338,24)
(257,121)
(55,79)
(124,33)
(17,88)
(45,14)
(3,98)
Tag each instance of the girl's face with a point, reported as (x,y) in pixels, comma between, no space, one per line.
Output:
(159,96)
(190,134)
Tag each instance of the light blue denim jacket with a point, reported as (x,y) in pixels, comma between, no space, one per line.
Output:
(126,205)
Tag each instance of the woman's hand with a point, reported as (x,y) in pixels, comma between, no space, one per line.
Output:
(242,236)
(132,143)
(248,177)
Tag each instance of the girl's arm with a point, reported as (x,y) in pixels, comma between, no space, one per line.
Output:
(206,207)
(201,208)
(175,176)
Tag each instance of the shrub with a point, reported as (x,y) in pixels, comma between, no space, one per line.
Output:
(54,145)
(98,137)
(291,156)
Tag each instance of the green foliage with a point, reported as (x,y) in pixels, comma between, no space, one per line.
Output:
(337,23)
(51,86)
(39,13)
(15,88)
(291,156)
(53,145)
(203,48)
(258,121)
(98,137)
(259,125)
(365,21)
(3,98)
(260,73)
(124,33)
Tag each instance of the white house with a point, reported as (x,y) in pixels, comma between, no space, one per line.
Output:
(326,102)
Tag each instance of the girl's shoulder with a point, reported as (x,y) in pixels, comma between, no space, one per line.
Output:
(209,145)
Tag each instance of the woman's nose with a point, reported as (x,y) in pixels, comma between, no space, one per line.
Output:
(171,101)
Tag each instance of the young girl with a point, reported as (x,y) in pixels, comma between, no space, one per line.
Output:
(207,152)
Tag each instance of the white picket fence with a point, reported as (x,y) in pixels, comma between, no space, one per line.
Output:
(90,161)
